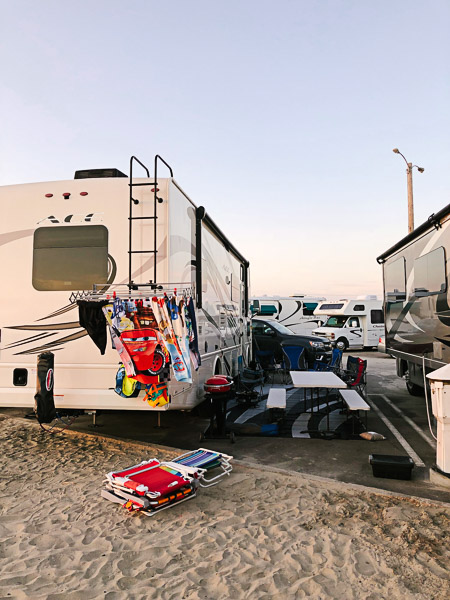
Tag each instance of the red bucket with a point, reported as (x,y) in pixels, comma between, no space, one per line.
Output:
(219,384)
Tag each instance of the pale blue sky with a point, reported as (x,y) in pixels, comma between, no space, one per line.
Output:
(278,117)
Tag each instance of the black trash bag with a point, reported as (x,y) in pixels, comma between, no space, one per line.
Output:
(44,401)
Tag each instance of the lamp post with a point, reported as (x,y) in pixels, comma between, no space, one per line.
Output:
(409,169)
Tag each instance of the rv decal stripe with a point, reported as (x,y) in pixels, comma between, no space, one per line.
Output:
(299,305)
(60,311)
(55,327)
(51,345)
(37,351)
(33,338)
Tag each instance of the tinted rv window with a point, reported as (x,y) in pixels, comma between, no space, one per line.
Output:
(331,306)
(308,308)
(359,308)
(429,273)
(395,280)
(376,317)
(70,258)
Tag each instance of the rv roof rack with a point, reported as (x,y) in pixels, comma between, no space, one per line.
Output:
(103,291)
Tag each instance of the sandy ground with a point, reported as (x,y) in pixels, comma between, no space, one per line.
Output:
(259,534)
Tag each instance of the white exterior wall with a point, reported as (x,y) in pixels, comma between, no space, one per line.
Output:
(84,378)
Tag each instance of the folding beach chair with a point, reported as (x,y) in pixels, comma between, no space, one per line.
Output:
(209,461)
(152,486)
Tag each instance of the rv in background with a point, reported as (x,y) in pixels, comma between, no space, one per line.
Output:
(104,229)
(416,300)
(295,312)
(352,323)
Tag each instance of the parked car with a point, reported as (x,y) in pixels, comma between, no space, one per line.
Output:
(269,335)
(382,344)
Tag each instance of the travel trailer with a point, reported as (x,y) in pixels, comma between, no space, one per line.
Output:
(352,324)
(295,312)
(107,235)
(416,300)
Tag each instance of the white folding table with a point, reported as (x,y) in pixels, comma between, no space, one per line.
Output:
(315,380)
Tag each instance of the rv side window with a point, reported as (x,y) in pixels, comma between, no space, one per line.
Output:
(359,308)
(429,273)
(331,306)
(353,322)
(376,317)
(70,258)
(395,280)
(308,308)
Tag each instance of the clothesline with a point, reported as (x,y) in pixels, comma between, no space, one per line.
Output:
(125,292)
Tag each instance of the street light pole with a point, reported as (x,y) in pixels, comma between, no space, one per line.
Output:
(409,170)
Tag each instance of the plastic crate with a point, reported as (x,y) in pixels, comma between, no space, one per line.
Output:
(391,467)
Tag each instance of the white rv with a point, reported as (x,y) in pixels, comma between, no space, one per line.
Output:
(352,323)
(295,312)
(104,230)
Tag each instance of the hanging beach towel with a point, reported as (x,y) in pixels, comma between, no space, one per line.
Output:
(157,395)
(165,327)
(126,387)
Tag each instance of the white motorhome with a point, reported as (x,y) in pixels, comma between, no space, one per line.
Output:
(104,230)
(352,323)
(295,312)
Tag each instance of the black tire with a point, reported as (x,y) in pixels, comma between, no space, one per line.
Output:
(342,344)
(414,389)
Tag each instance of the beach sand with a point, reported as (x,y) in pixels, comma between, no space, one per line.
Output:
(260,533)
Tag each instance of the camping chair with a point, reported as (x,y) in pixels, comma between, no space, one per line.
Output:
(152,486)
(209,461)
(266,360)
(293,359)
(355,374)
(247,380)
(334,364)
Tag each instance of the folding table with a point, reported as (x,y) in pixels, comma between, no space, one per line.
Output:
(315,380)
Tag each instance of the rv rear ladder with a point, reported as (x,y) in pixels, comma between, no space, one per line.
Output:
(131,218)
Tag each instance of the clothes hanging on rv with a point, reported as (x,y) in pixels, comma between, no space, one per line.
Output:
(91,317)
(148,334)
(193,335)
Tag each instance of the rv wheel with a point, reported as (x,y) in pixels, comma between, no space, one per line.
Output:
(414,389)
(342,344)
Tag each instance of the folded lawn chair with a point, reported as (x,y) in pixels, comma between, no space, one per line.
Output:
(209,461)
(152,486)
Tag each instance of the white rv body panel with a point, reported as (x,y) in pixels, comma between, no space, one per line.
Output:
(351,323)
(294,312)
(37,320)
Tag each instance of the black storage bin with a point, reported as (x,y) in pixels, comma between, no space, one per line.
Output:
(391,467)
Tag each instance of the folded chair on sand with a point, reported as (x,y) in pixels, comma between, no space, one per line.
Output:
(152,486)
(209,461)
